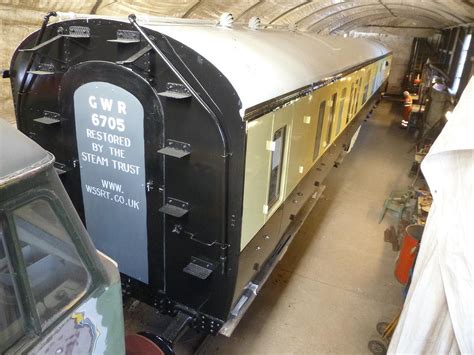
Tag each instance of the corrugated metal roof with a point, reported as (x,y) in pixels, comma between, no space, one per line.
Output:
(311,15)
(307,14)
(400,17)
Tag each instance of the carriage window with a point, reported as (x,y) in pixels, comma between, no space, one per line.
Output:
(276,168)
(12,325)
(317,143)
(56,274)
(341,110)
(332,113)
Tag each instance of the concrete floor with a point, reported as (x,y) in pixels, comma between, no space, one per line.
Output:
(336,280)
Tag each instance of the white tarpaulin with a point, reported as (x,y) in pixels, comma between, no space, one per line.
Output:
(438,315)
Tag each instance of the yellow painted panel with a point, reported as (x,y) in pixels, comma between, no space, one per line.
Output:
(301,121)
(302,140)
(311,129)
(257,171)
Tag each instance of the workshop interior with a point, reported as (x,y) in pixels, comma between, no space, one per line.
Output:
(219,177)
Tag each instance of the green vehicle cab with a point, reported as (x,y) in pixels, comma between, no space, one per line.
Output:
(58,294)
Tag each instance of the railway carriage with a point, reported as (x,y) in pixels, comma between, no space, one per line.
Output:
(193,150)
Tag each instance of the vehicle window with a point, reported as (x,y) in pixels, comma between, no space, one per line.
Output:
(341,110)
(276,169)
(56,274)
(12,325)
(332,113)
(317,143)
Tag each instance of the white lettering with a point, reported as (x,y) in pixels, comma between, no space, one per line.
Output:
(108,115)
(126,167)
(109,121)
(121,107)
(117,152)
(133,203)
(95,119)
(108,138)
(92,101)
(103,120)
(119,199)
(94,159)
(106,184)
(97,191)
(96,147)
(106,104)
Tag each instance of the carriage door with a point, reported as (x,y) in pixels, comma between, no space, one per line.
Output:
(118,130)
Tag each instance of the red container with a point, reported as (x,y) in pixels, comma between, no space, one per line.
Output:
(408,252)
